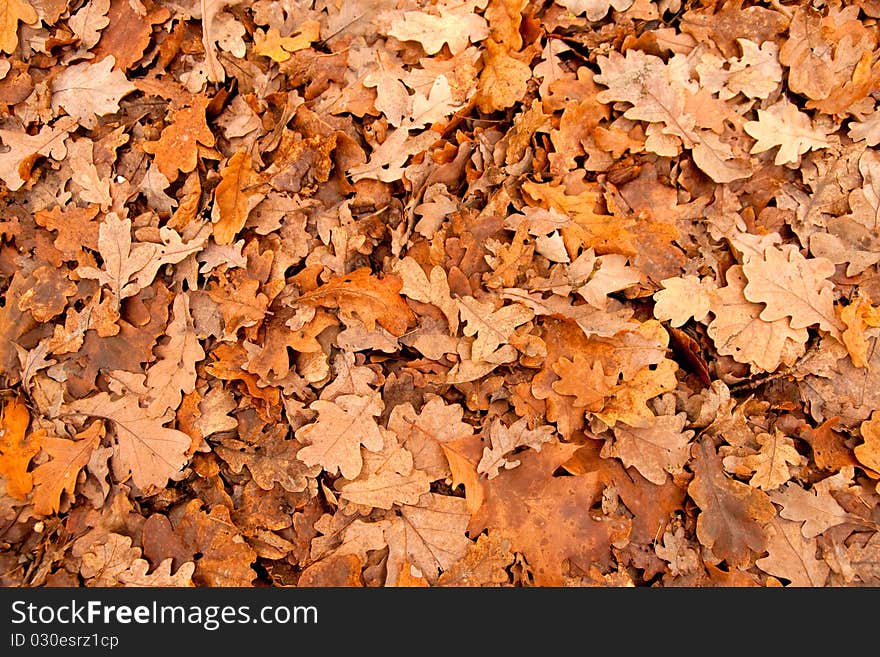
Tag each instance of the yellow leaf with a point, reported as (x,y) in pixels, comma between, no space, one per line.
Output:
(278,48)
(11,12)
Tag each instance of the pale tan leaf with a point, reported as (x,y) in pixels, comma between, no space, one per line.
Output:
(455,24)
(683,298)
(492,326)
(792,286)
(343,425)
(793,557)
(143,447)
(655,446)
(430,535)
(87,91)
(738,331)
(784,125)
(505,439)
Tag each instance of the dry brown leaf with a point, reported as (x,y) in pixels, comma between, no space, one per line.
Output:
(177,148)
(374,300)
(655,446)
(232,196)
(815,508)
(66,458)
(429,535)
(343,425)
(128,266)
(491,325)
(544,515)
(11,14)
(503,80)
(770,466)
(88,91)
(785,126)
(792,556)
(732,515)
(792,286)
(868,453)
(738,330)
(505,440)
(143,447)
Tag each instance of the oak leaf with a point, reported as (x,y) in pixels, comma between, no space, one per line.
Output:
(769,467)
(816,507)
(732,514)
(130,267)
(424,433)
(387,478)
(791,556)
(226,557)
(868,453)
(177,148)
(143,447)
(738,330)
(792,286)
(503,80)
(455,24)
(87,91)
(61,472)
(463,455)
(594,9)
(104,561)
(507,440)
(25,149)
(492,326)
(784,125)
(547,518)
(374,300)
(484,563)
(655,446)
(269,459)
(271,44)
(857,317)
(387,161)
(433,290)
(161,576)
(232,198)
(429,534)
(585,381)
(343,425)
(683,298)
(11,13)
(174,374)
(17,448)
(88,22)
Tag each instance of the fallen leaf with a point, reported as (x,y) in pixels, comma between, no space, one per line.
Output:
(60,473)
(17,448)
(732,514)
(343,425)
(88,91)
(143,447)
(374,300)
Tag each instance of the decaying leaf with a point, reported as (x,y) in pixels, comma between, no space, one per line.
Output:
(485,293)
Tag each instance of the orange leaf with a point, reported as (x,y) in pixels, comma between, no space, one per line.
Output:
(16,450)
(59,474)
(372,299)
(177,147)
(231,206)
